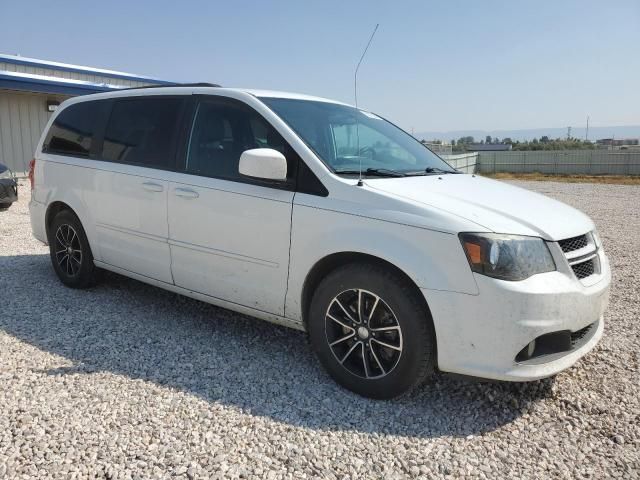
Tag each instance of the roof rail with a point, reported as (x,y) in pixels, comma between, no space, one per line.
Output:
(199,84)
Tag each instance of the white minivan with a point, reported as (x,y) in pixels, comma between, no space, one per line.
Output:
(314,214)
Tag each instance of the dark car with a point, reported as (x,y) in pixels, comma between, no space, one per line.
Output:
(8,188)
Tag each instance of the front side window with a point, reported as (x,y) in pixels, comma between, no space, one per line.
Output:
(345,138)
(143,131)
(74,129)
(222,131)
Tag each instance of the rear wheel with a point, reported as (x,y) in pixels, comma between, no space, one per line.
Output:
(371,331)
(70,252)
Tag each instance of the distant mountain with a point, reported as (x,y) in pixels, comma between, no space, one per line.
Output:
(529,134)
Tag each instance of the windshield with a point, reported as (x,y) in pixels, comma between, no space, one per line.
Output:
(343,137)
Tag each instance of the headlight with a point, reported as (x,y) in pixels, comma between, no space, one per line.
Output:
(507,257)
(6,174)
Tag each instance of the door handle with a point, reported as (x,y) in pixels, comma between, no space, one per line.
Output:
(152,187)
(186,193)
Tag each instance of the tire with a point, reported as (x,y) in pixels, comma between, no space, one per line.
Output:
(70,252)
(350,345)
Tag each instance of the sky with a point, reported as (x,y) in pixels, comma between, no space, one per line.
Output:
(433,65)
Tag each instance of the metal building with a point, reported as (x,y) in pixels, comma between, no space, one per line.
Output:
(30,91)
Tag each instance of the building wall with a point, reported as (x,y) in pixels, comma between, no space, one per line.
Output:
(87,77)
(23,117)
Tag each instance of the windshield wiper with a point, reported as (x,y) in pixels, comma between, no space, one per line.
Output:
(431,171)
(373,172)
(438,170)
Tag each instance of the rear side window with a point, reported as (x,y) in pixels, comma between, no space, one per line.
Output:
(74,129)
(143,131)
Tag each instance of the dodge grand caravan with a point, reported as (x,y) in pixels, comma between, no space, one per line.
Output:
(314,214)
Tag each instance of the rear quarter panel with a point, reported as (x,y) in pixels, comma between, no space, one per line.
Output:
(64,179)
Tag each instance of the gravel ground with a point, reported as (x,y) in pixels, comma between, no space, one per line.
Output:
(129,381)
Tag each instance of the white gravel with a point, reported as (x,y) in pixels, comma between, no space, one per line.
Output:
(129,381)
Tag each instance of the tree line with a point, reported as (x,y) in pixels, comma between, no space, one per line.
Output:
(544,143)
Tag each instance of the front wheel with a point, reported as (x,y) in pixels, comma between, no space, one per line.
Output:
(371,331)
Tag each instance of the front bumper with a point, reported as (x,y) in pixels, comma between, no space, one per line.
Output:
(8,192)
(481,335)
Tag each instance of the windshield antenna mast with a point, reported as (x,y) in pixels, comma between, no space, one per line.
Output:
(355,94)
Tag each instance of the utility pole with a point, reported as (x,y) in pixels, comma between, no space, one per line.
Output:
(586,135)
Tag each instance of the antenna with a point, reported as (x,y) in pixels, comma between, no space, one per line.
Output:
(586,135)
(355,94)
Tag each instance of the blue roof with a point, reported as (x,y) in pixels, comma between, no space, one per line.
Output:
(34,62)
(29,82)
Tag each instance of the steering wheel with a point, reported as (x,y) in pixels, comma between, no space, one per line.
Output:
(367,150)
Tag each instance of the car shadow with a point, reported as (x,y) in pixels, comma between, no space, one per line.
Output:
(128,328)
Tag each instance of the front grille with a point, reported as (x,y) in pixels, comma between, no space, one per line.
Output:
(584,269)
(574,243)
(579,335)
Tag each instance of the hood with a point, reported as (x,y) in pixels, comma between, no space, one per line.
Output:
(494,205)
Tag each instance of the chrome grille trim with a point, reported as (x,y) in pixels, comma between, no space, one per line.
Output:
(584,258)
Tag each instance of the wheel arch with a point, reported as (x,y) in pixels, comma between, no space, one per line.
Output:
(60,196)
(58,206)
(329,263)
(52,210)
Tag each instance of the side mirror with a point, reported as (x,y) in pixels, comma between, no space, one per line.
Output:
(264,163)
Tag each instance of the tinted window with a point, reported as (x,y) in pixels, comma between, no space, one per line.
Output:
(142,131)
(222,131)
(74,128)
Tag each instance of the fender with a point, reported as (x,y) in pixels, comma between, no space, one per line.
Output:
(432,260)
